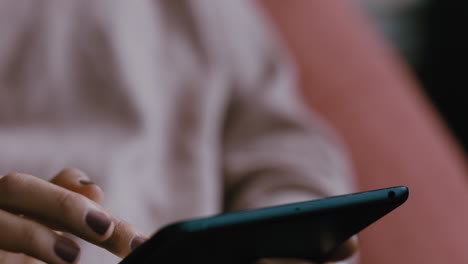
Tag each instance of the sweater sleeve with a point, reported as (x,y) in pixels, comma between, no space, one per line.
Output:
(276,150)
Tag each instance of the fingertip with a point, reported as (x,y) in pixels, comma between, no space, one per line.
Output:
(68,173)
(101,224)
(86,182)
(91,191)
(137,241)
(125,238)
(67,250)
(77,181)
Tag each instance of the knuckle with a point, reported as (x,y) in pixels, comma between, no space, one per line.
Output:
(33,236)
(120,224)
(12,177)
(10,181)
(30,237)
(123,230)
(67,201)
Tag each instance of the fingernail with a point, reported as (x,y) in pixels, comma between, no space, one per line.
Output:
(66,250)
(98,222)
(86,182)
(136,242)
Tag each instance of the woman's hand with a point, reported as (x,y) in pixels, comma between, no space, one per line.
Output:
(33,210)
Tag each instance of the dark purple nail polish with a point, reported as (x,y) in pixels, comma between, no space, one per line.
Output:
(136,242)
(98,222)
(66,250)
(86,182)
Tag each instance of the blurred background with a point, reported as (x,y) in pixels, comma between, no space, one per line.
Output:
(389,76)
(430,34)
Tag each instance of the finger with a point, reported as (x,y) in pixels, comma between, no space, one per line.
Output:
(20,235)
(124,239)
(17,258)
(64,210)
(59,208)
(77,181)
(346,250)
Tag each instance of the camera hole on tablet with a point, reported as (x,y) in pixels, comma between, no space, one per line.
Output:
(391,195)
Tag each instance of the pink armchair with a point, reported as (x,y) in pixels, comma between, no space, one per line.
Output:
(354,79)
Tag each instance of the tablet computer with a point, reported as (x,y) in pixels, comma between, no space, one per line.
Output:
(307,230)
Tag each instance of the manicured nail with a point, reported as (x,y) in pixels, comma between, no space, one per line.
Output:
(136,242)
(98,222)
(66,250)
(86,182)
